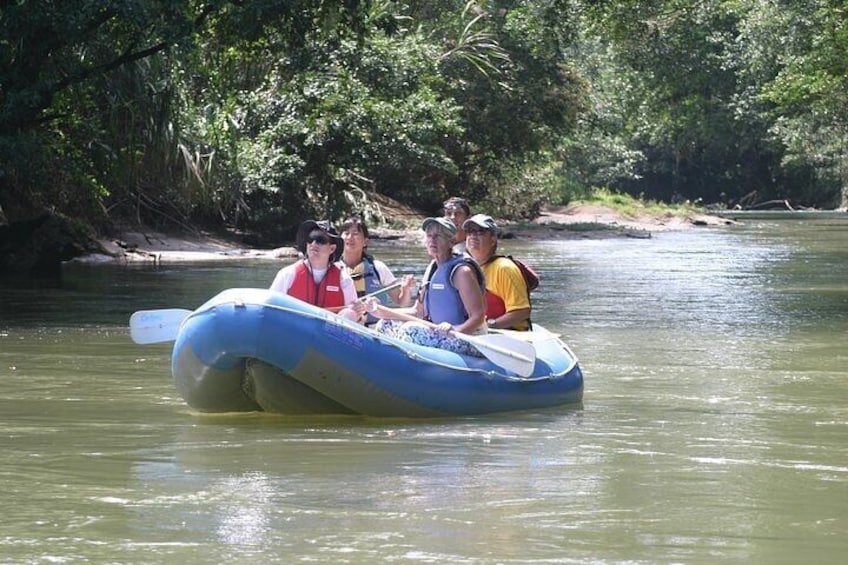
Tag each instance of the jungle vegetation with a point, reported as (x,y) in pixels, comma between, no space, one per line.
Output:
(256,114)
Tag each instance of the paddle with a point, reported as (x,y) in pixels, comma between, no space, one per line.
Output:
(378,292)
(157,326)
(508,352)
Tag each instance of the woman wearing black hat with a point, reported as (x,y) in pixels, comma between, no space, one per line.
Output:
(315,278)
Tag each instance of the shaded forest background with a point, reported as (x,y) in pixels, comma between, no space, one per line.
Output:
(256,114)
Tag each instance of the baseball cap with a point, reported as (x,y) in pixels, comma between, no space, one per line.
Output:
(484,221)
(443,223)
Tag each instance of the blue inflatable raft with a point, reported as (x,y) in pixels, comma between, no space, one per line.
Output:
(257,350)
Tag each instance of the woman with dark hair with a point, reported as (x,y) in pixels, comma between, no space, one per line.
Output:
(369,274)
(315,278)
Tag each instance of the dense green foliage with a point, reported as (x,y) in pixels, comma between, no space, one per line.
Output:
(258,113)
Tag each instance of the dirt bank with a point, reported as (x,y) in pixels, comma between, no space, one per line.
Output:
(563,222)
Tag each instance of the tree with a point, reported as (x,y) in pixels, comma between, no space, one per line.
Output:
(807,92)
(502,63)
(55,58)
(706,85)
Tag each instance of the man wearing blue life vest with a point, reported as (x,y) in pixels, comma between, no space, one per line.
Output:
(451,297)
(370,274)
(315,278)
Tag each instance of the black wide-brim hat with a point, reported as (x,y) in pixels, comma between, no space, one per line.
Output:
(325,226)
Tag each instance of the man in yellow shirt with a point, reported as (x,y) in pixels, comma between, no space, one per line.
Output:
(507,296)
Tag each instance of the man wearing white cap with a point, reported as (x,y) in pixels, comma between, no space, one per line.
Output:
(507,297)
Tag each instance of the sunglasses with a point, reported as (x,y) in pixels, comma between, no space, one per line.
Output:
(318,238)
(476,231)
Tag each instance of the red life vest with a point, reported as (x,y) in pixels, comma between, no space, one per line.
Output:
(495,306)
(327,294)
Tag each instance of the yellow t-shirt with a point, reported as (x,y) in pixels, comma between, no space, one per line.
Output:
(504,279)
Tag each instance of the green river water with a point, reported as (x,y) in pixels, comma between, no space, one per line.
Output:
(714,426)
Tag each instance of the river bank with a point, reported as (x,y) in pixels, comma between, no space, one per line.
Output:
(555,222)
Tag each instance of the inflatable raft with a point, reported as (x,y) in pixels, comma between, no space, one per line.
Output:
(257,350)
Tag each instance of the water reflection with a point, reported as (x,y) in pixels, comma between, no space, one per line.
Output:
(412,478)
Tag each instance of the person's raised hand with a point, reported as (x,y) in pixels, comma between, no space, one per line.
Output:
(408,282)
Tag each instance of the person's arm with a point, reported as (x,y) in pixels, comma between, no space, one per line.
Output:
(402,296)
(390,313)
(465,281)
(348,289)
(374,306)
(510,319)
